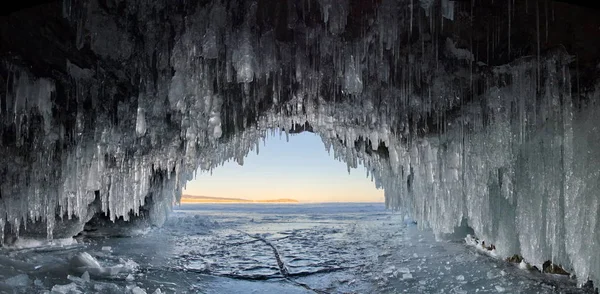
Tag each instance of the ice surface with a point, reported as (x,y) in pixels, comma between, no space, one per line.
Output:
(85,264)
(325,246)
(502,148)
(138,290)
(21,280)
(66,289)
(22,243)
(84,259)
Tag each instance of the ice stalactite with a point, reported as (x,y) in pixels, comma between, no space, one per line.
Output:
(111,119)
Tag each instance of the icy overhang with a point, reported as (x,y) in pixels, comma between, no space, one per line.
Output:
(484,112)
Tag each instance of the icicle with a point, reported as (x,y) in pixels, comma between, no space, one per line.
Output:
(411,7)
(1,230)
(447,10)
(546,16)
(66,8)
(537,20)
(16,226)
(509,27)
(140,124)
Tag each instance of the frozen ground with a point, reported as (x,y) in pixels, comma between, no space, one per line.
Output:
(264,248)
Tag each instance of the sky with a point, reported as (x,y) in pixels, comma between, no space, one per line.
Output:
(300,169)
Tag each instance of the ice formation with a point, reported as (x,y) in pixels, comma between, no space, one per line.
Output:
(484,112)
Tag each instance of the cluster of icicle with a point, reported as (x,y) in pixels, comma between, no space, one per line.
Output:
(520,167)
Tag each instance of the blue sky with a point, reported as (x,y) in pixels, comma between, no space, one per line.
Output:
(300,169)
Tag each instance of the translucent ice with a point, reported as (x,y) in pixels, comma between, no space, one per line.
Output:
(21,280)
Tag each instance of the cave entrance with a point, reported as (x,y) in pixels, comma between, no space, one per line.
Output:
(290,168)
(287,214)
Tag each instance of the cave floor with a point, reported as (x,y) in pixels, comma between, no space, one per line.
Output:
(273,248)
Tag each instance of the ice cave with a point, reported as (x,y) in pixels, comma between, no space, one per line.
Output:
(480,112)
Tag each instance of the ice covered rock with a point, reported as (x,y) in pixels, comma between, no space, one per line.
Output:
(551,268)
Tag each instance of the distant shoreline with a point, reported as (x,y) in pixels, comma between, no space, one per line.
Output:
(239,202)
(189,199)
(285,203)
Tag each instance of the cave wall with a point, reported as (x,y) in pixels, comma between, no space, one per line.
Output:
(481,111)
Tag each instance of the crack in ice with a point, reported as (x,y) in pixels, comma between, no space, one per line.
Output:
(282,267)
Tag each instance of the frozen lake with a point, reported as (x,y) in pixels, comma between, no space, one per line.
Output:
(271,248)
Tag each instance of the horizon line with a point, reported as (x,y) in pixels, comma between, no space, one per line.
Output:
(265,200)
